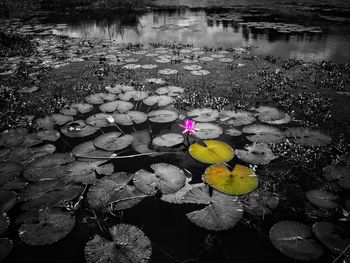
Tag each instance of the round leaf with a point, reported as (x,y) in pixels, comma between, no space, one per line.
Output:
(214,152)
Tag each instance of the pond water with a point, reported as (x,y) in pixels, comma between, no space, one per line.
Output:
(294,38)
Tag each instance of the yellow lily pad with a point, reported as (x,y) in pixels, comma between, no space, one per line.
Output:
(214,152)
(241,180)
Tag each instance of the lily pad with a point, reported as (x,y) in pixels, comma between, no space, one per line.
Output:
(50,226)
(136,95)
(48,122)
(162,116)
(6,247)
(78,128)
(203,115)
(274,117)
(206,59)
(200,72)
(214,152)
(237,118)
(99,120)
(167,71)
(294,240)
(166,177)
(340,173)
(307,136)
(87,151)
(141,140)
(241,180)
(264,133)
(258,153)
(7,200)
(82,107)
(233,132)
(36,152)
(226,60)
(113,141)
(322,199)
(129,245)
(192,67)
(99,98)
(85,172)
(155,81)
(208,131)
(170,91)
(333,237)
(130,118)
(41,136)
(8,171)
(119,105)
(149,66)
(168,140)
(221,212)
(12,137)
(260,203)
(159,100)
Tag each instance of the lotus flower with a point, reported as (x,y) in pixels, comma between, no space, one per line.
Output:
(190,126)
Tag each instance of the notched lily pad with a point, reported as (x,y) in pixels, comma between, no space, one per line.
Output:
(203,115)
(78,128)
(162,116)
(129,245)
(260,202)
(258,153)
(307,136)
(208,131)
(263,133)
(85,172)
(237,118)
(118,105)
(168,140)
(322,199)
(86,151)
(130,118)
(214,152)
(113,141)
(12,137)
(340,173)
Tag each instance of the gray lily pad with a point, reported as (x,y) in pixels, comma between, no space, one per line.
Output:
(192,67)
(113,141)
(258,153)
(8,171)
(36,152)
(237,118)
(307,136)
(167,71)
(52,198)
(48,122)
(155,81)
(322,199)
(48,167)
(264,133)
(7,200)
(82,107)
(130,118)
(99,120)
(87,150)
(203,115)
(119,105)
(6,247)
(15,184)
(40,188)
(340,173)
(99,98)
(233,132)
(126,197)
(4,222)
(221,212)
(136,95)
(332,236)
(129,245)
(294,240)
(41,136)
(168,140)
(78,128)
(85,172)
(50,226)
(170,91)
(162,116)
(260,203)
(208,131)
(141,140)
(177,197)
(166,177)
(13,137)
(159,100)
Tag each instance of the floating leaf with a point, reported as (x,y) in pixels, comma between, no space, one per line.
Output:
(192,67)
(82,107)
(159,100)
(340,173)
(322,199)
(40,188)
(6,247)
(119,105)
(221,212)
(260,203)
(170,91)
(41,136)
(13,137)
(99,98)
(177,197)
(141,140)
(237,118)
(258,153)
(217,55)
(7,200)
(203,115)
(36,152)
(149,66)
(168,140)
(85,172)
(162,116)
(130,118)
(50,226)
(233,132)
(87,150)
(8,171)
(263,133)
(241,180)
(136,95)
(226,60)
(48,122)
(126,198)
(294,240)
(214,152)
(333,237)
(208,131)
(207,59)
(78,128)
(166,177)
(272,117)
(132,66)
(155,81)
(167,71)
(129,245)
(113,141)
(99,120)
(201,72)
(307,136)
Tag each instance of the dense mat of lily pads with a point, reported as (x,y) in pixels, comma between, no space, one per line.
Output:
(68,163)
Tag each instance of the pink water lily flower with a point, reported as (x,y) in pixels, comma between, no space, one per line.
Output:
(190,126)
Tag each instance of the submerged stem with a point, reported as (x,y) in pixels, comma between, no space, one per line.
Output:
(123,157)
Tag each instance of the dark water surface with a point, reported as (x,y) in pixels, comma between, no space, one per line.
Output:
(325,33)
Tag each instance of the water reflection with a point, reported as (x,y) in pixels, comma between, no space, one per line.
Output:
(199,28)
